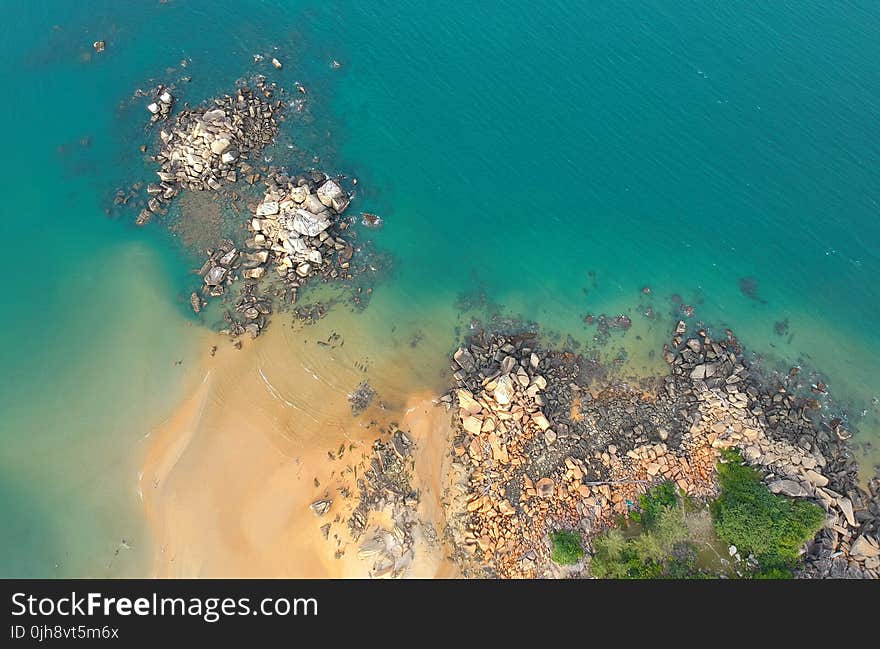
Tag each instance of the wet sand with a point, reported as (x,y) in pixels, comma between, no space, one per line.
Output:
(228,478)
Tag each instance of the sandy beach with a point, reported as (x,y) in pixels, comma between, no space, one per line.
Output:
(228,478)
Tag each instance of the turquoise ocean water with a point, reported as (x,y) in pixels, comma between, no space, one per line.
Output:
(546,161)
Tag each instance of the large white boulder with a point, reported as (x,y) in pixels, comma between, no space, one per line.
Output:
(220,145)
(504,390)
(267,208)
(308,224)
(328,191)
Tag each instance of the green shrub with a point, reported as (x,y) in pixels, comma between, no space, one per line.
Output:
(615,557)
(658,499)
(567,547)
(661,550)
(670,528)
(773,573)
(771,527)
(608,550)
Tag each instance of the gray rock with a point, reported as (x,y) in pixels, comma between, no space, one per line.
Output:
(220,145)
(299,194)
(846,507)
(229,258)
(321,507)
(214,115)
(465,359)
(340,204)
(789,488)
(313,204)
(815,478)
(699,372)
(329,191)
(308,224)
(508,364)
(267,208)
(298,246)
(216,275)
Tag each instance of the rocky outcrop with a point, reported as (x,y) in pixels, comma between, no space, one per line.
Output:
(294,237)
(386,486)
(160,108)
(296,230)
(211,145)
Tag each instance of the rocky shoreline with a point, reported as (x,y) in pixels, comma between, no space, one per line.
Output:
(543,445)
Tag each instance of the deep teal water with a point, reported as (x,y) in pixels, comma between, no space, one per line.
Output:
(525,152)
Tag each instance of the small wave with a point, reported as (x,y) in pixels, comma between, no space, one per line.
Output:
(276,394)
(274,391)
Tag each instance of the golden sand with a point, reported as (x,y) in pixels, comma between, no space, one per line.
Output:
(228,478)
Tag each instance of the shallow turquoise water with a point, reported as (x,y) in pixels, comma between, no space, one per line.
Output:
(528,153)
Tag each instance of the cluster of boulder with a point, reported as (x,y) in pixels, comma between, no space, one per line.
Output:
(161,107)
(361,397)
(224,266)
(208,146)
(538,451)
(778,433)
(296,228)
(384,487)
(292,234)
(545,441)
(296,232)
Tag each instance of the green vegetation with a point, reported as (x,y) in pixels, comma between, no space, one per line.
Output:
(656,501)
(770,527)
(567,547)
(661,550)
(661,538)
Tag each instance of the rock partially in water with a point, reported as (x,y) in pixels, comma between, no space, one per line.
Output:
(195,302)
(331,195)
(361,398)
(216,275)
(371,220)
(204,147)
